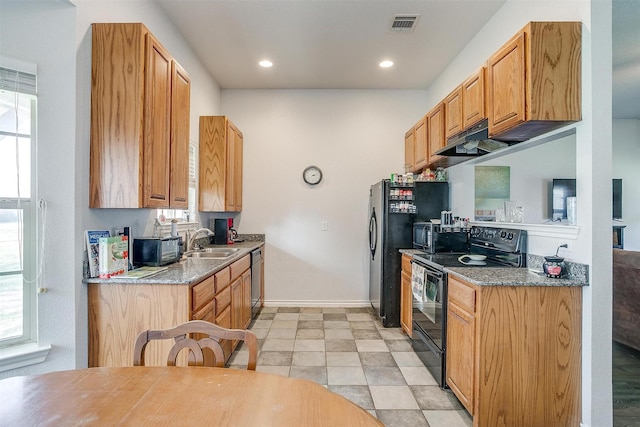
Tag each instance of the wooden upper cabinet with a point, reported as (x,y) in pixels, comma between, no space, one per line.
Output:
(221,150)
(473,99)
(180,116)
(453,113)
(132,119)
(157,132)
(436,132)
(534,81)
(409,150)
(421,153)
(234,172)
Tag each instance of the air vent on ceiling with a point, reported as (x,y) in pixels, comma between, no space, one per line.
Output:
(404,23)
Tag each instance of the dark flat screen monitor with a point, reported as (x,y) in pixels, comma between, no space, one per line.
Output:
(561,189)
(617,198)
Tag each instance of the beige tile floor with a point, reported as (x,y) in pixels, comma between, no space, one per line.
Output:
(351,353)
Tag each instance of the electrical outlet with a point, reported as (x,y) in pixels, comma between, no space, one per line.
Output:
(324,225)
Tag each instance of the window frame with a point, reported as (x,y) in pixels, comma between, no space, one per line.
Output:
(30,234)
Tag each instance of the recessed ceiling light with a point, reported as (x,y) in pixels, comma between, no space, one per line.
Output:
(386,64)
(265,63)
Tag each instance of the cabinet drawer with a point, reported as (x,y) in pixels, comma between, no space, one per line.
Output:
(462,294)
(406,263)
(240,266)
(205,313)
(222,300)
(202,293)
(222,279)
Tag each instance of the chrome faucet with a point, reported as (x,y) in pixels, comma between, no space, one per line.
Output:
(195,235)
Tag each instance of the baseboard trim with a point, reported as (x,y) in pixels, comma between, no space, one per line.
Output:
(315,303)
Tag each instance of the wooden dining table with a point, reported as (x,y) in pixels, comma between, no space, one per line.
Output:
(174,396)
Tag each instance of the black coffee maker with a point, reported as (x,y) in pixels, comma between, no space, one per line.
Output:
(223,230)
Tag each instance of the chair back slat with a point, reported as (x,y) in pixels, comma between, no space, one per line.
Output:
(182,335)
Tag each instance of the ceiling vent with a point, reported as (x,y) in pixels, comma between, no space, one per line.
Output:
(404,23)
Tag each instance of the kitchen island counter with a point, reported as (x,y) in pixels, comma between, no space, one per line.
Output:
(190,271)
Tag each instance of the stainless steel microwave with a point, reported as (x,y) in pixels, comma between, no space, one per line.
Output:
(155,251)
(432,238)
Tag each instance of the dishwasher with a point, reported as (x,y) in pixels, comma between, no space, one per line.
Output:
(256,279)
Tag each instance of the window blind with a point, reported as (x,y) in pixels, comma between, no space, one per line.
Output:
(17,81)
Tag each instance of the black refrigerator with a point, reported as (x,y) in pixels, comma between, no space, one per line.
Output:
(393,208)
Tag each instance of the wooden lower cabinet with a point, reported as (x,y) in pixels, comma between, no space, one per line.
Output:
(406,298)
(513,353)
(118,312)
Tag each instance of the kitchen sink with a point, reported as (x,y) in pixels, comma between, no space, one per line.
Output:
(215,253)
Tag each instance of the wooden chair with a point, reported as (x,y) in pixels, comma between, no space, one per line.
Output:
(180,334)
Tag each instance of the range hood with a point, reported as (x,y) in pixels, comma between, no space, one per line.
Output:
(473,142)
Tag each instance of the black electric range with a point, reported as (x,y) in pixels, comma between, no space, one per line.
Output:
(488,247)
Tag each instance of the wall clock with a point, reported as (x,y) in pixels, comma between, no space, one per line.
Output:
(312,175)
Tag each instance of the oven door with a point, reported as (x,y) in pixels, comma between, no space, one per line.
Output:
(429,307)
(429,323)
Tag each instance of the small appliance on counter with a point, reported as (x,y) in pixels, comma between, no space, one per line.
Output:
(155,251)
(553,265)
(431,238)
(223,230)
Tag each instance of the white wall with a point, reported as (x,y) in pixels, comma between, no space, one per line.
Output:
(57,37)
(626,157)
(42,33)
(356,138)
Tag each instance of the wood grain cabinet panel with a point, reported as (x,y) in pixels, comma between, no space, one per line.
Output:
(133,81)
(515,358)
(435,131)
(453,113)
(534,81)
(221,151)
(421,148)
(473,99)
(409,150)
(180,118)
(461,336)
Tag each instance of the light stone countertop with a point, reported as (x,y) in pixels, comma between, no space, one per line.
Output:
(506,276)
(190,271)
(577,274)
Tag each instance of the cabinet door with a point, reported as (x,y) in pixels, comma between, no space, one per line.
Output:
(237,170)
(473,100)
(180,101)
(506,86)
(229,187)
(224,319)
(460,354)
(409,150)
(157,125)
(406,306)
(212,159)
(236,306)
(435,129)
(406,297)
(421,155)
(246,299)
(453,113)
